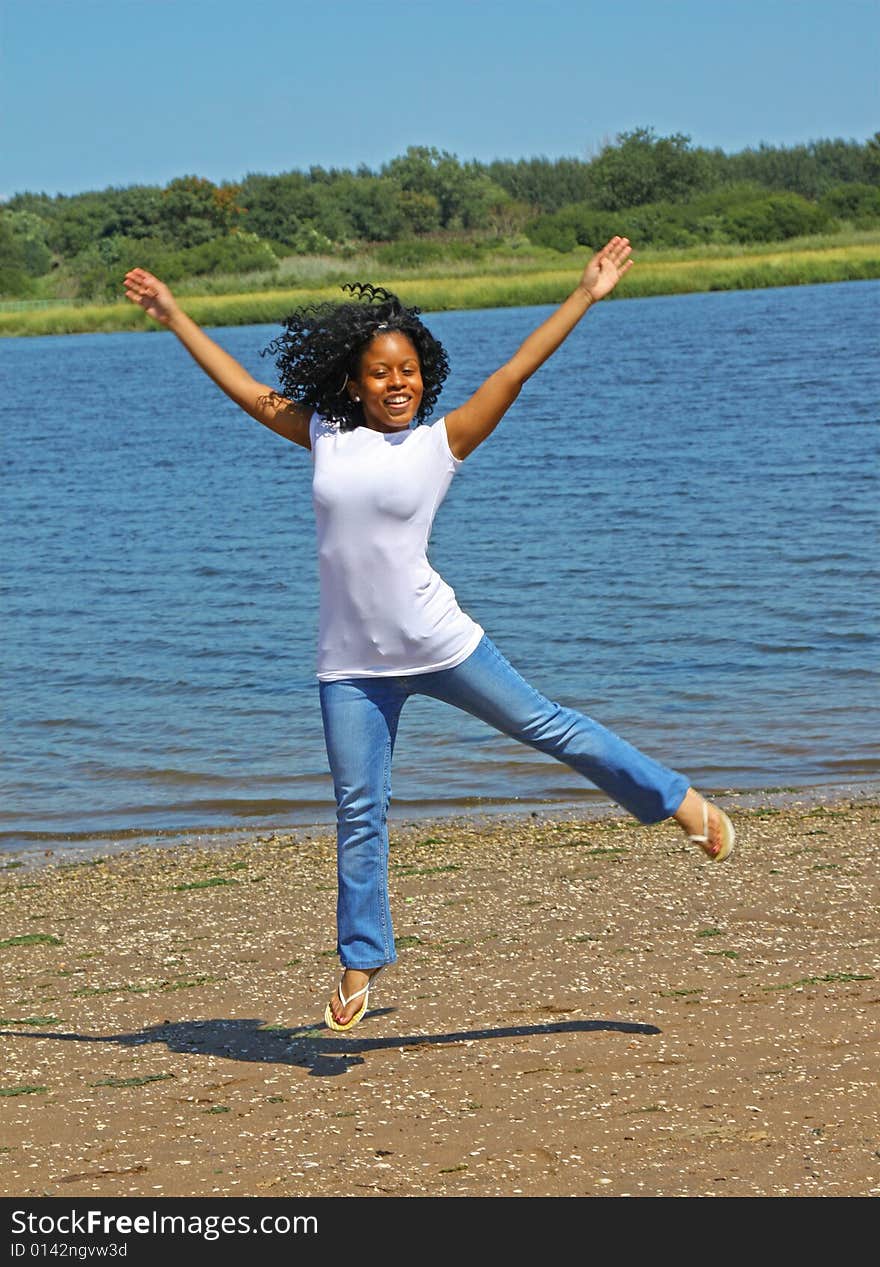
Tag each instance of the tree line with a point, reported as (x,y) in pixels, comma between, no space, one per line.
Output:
(427,204)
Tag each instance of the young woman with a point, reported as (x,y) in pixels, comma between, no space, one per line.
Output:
(354,379)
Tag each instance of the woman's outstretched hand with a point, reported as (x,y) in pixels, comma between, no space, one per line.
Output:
(606,268)
(152,295)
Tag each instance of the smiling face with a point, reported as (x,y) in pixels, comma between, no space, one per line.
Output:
(389,382)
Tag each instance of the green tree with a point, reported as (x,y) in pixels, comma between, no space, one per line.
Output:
(420,212)
(15,281)
(369,205)
(132,212)
(464,193)
(31,233)
(642,167)
(857,203)
(577,225)
(542,183)
(872,158)
(774,218)
(289,207)
(79,220)
(194,210)
(809,170)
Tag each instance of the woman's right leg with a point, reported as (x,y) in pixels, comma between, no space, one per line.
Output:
(360,725)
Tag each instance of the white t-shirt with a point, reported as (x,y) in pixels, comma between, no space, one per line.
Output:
(384,610)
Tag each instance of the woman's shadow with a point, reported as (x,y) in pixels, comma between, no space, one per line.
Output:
(314,1048)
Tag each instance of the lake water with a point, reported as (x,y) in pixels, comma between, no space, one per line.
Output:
(675,529)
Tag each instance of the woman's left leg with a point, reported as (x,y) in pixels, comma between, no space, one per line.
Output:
(487,686)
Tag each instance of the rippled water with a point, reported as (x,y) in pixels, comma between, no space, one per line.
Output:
(674,529)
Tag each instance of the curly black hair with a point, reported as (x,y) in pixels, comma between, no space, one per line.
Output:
(321,346)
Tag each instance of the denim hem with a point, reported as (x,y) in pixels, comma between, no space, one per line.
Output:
(367,967)
(665,813)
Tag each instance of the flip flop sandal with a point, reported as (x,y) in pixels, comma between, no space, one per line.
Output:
(350,1024)
(728,835)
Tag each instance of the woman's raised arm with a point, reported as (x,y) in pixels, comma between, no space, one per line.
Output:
(263,403)
(469,425)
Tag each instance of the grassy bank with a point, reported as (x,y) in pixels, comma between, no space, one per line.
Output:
(533,283)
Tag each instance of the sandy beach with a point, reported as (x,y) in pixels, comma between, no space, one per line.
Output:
(580,1008)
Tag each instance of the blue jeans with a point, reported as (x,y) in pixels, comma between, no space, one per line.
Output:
(360,725)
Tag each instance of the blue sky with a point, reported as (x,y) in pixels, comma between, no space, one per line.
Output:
(118,92)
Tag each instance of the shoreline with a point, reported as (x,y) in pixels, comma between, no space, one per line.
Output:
(592,808)
(578,1008)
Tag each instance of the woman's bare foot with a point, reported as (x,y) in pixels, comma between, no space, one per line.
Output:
(700,818)
(354,980)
